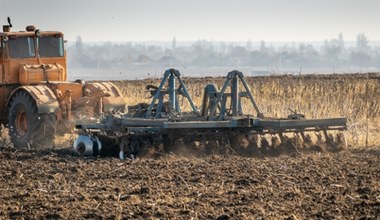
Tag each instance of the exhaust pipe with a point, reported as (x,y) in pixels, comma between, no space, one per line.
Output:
(6,28)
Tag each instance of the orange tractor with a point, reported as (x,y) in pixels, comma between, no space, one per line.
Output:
(36,101)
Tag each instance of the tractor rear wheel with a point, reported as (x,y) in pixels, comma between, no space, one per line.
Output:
(28,128)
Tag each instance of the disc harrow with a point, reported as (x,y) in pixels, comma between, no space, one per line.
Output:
(219,126)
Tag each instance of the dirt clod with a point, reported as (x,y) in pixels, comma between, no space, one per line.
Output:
(58,185)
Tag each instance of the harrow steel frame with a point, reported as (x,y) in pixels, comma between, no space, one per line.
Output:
(215,118)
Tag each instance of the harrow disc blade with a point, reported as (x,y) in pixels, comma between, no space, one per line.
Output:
(341,141)
(307,141)
(264,143)
(243,144)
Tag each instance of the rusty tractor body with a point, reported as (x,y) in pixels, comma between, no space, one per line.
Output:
(36,100)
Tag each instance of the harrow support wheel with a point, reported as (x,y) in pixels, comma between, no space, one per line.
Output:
(28,128)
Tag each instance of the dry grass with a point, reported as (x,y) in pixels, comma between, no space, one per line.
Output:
(355,96)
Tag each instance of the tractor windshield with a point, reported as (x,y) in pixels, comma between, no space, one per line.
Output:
(21,47)
(50,46)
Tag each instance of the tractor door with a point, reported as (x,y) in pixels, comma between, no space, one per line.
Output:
(2,57)
(3,89)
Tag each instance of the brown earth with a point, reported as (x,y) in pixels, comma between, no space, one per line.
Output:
(55,184)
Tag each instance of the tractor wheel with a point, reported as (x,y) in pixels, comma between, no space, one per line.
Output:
(27,128)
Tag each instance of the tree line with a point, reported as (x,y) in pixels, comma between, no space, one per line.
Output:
(332,53)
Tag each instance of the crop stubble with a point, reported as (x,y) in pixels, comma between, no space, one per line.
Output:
(55,184)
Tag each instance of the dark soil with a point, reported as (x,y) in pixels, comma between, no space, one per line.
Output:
(59,185)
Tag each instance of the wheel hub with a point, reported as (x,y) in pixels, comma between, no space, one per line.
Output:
(21,123)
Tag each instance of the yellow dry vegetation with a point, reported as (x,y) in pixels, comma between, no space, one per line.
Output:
(355,96)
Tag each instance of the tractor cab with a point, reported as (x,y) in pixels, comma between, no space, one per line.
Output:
(29,51)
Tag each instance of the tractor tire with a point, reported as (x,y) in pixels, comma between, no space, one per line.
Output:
(28,128)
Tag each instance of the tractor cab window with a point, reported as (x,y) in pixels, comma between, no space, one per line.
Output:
(50,46)
(21,47)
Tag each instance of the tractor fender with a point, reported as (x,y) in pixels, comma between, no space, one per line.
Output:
(113,99)
(45,98)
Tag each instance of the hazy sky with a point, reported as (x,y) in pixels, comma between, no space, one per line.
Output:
(227,20)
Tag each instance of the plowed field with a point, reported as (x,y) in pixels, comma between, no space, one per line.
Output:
(55,184)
